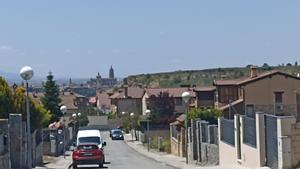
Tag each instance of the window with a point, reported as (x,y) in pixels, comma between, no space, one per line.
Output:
(278,97)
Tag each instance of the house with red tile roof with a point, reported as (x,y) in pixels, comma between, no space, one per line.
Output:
(272,92)
(103,101)
(128,100)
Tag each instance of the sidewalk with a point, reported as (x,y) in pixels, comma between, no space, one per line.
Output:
(57,162)
(168,159)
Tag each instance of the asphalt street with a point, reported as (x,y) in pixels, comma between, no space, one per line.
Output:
(120,156)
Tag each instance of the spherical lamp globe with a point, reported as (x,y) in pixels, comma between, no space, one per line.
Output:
(26,73)
(63,109)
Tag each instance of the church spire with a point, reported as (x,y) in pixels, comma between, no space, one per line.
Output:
(111,73)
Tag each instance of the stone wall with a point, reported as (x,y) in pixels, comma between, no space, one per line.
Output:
(4,145)
(209,154)
(203,143)
(4,161)
(296,144)
(15,130)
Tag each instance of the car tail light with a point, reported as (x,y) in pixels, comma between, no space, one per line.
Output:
(98,152)
(75,155)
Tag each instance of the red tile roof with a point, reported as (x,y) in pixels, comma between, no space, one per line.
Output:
(132,92)
(251,79)
(205,88)
(67,99)
(103,99)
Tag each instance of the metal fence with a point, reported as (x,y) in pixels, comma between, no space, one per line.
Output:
(227,131)
(249,131)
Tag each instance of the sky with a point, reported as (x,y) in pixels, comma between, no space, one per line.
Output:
(77,39)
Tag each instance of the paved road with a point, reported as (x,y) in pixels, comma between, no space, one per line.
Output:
(119,156)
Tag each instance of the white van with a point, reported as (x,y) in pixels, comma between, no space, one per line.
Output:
(90,136)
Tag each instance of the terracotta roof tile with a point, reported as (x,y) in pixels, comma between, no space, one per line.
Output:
(250,79)
(133,92)
(67,99)
(103,99)
(205,88)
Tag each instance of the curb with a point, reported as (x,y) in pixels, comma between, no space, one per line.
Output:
(152,158)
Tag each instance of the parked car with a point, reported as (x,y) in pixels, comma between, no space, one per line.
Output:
(111,131)
(88,154)
(117,135)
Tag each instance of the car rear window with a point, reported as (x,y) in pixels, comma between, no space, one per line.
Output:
(89,140)
(87,147)
(117,132)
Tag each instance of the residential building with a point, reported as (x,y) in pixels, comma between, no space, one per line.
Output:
(103,101)
(205,96)
(68,99)
(271,92)
(127,100)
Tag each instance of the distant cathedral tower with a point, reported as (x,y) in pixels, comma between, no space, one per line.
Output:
(111,73)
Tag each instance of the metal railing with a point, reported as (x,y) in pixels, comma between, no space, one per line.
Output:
(249,131)
(227,131)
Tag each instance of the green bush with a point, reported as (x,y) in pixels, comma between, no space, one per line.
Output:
(166,145)
(209,114)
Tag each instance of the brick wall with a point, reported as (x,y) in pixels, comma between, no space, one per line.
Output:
(296,144)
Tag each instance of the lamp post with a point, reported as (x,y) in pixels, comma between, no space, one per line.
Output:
(148,136)
(27,73)
(132,118)
(76,117)
(186,98)
(63,109)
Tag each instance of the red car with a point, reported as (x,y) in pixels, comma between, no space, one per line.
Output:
(86,154)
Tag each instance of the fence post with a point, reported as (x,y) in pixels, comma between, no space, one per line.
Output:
(160,147)
(198,135)
(15,130)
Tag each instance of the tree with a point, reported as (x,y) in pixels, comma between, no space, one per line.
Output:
(288,64)
(161,106)
(6,106)
(51,100)
(39,116)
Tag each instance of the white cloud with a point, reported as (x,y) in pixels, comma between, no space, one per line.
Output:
(116,51)
(162,33)
(5,48)
(68,51)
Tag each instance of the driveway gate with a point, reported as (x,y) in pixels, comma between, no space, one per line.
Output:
(271,141)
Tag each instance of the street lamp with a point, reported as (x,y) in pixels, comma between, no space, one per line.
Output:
(76,116)
(186,98)
(63,109)
(132,118)
(27,73)
(148,136)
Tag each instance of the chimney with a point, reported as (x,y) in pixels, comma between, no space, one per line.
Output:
(125,91)
(253,72)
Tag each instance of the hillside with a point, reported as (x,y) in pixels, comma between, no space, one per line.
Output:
(201,77)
